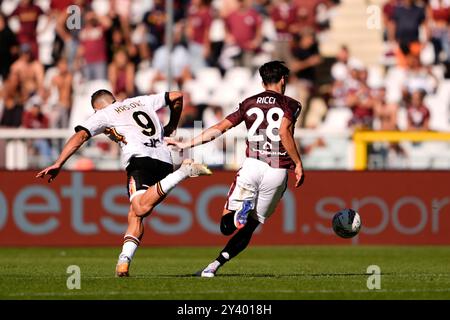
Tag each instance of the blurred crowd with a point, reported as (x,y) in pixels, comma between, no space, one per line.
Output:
(116,39)
(416,46)
(36,91)
(416,39)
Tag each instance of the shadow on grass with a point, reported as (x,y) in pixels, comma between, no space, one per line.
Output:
(269,275)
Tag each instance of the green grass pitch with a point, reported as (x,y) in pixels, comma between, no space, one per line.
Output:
(303,272)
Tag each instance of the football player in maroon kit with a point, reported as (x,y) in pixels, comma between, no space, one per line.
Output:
(271,151)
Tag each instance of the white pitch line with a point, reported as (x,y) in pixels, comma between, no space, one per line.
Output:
(150,293)
(245,276)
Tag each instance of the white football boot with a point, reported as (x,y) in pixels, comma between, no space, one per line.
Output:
(193,169)
(123,267)
(210,270)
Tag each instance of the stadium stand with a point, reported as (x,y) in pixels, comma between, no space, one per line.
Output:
(359,57)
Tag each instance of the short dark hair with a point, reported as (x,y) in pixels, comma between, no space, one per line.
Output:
(100,93)
(273,71)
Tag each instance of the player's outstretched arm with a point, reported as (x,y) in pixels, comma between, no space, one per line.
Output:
(176,107)
(206,136)
(287,139)
(72,145)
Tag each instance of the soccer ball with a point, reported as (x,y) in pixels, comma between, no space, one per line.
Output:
(346,223)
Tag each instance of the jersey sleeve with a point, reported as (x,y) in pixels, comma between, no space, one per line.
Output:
(236,116)
(292,109)
(157,101)
(94,125)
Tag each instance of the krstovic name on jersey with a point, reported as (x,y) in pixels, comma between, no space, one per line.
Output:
(132,105)
(135,121)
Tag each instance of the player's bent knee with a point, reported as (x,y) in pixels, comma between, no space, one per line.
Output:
(226,231)
(131,213)
(227,226)
(140,214)
(143,211)
(149,212)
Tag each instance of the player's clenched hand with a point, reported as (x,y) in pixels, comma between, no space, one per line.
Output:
(299,176)
(175,143)
(52,171)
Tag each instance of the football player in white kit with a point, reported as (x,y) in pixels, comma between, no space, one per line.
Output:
(271,151)
(135,126)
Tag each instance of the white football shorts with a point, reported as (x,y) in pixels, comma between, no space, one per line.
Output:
(260,183)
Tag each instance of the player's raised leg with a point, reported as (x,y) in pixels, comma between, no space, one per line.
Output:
(142,204)
(145,200)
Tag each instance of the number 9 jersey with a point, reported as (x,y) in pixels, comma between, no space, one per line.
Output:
(262,114)
(134,125)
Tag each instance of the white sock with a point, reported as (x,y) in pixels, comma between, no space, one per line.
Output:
(129,247)
(169,182)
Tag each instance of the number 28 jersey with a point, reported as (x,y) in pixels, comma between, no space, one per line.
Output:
(134,124)
(262,115)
